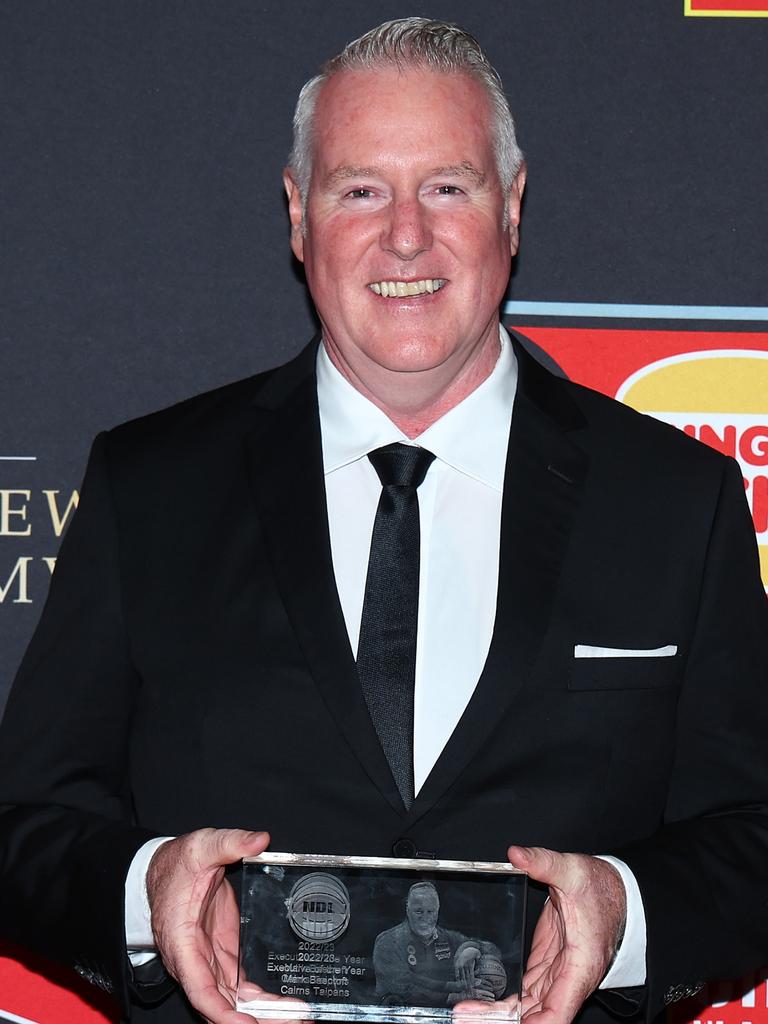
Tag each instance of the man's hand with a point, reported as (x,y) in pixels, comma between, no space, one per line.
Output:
(577,935)
(464,964)
(195,917)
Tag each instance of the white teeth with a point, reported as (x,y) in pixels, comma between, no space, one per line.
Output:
(400,289)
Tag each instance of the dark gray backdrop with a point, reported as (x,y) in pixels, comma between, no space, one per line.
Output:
(143,232)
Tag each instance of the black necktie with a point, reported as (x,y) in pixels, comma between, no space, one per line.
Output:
(386,652)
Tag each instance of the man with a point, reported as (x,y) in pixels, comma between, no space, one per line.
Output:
(420,963)
(591,626)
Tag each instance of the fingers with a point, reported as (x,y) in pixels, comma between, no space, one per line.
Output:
(248,993)
(469,1008)
(483,991)
(214,847)
(557,869)
(199,853)
(573,876)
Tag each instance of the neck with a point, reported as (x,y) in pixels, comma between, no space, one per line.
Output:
(414,400)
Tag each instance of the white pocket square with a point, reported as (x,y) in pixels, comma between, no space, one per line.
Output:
(587,651)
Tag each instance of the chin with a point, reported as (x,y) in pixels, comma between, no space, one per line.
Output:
(412,356)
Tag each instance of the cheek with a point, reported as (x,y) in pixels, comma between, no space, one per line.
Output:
(343,238)
(334,265)
(482,246)
(322,264)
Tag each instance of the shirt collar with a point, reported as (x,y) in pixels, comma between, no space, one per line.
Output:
(472,437)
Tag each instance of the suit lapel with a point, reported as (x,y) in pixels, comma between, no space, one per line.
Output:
(284,452)
(542,488)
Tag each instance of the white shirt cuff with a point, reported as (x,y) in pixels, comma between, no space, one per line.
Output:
(628,968)
(138,919)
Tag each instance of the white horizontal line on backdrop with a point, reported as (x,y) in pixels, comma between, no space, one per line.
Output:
(6,1015)
(633,311)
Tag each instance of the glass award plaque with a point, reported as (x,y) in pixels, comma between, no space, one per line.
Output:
(389,940)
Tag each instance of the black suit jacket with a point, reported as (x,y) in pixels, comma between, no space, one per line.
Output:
(192,668)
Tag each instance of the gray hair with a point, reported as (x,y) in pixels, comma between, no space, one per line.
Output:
(410,43)
(422,888)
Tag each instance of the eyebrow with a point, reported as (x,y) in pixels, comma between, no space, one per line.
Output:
(465,169)
(346,171)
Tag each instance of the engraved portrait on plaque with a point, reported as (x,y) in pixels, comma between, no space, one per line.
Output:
(420,960)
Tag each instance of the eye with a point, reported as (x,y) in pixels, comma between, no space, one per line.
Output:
(448,190)
(359,193)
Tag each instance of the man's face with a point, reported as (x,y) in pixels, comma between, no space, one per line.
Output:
(405,198)
(422,911)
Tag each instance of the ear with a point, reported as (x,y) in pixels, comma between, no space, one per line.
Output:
(295,212)
(514,204)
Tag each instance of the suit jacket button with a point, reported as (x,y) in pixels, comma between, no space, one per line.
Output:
(404,847)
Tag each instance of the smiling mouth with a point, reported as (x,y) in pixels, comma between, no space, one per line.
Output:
(401,289)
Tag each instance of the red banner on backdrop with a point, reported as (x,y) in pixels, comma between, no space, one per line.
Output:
(726,1003)
(36,990)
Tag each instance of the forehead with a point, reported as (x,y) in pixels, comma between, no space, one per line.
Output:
(387,116)
(425,896)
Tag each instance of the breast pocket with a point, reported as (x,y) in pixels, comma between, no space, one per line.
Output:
(638,672)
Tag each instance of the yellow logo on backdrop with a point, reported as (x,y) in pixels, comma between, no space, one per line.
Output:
(720,398)
(726,8)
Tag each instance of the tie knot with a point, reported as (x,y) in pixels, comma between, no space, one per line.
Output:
(403,465)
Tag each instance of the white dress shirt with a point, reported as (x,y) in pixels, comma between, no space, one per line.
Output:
(460,517)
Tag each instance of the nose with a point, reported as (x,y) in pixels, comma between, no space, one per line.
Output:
(407,231)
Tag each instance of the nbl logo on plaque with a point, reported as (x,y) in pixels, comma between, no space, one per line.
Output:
(318,907)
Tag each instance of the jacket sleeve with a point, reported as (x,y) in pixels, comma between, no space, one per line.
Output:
(66,831)
(704,875)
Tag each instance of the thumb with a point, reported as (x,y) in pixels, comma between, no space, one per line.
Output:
(227,845)
(542,865)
